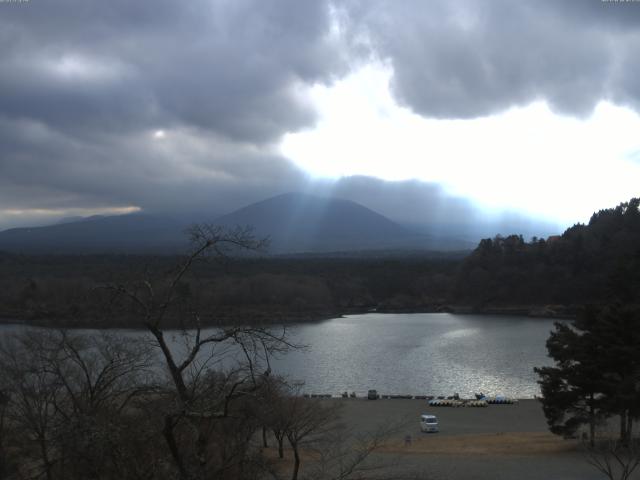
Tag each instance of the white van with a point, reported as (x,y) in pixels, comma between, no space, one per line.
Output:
(429,423)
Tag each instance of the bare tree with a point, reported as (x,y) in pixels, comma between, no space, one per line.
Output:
(342,455)
(99,375)
(65,400)
(331,451)
(95,372)
(216,374)
(32,396)
(274,412)
(4,458)
(615,459)
(308,419)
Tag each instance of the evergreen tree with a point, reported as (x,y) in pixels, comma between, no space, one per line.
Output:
(618,330)
(572,390)
(597,372)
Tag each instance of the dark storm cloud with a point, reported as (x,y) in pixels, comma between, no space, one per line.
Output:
(471,58)
(230,67)
(185,171)
(85,84)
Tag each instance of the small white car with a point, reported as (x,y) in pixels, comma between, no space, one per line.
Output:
(429,423)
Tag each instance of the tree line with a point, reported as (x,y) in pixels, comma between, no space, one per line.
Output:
(591,263)
(62,291)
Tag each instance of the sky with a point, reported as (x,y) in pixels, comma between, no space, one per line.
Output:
(427,111)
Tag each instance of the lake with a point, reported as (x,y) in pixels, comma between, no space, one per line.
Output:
(417,354)
(428,354)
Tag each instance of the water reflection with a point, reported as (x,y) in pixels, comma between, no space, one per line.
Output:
(433,354)
(428,354)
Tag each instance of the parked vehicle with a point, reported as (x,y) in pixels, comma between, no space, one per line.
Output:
(429,423)
(373,395)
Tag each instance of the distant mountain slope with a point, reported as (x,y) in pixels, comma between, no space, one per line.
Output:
(134,233)
(294,222)
(297,222)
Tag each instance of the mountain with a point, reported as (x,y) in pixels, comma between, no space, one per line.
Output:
(297,222)
(76,219)
(133,233)
(294,222)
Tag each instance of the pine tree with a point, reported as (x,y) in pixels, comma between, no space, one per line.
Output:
(597,372)
(618,329)
(571,391)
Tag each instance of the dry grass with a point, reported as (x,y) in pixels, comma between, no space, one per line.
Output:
(521,443)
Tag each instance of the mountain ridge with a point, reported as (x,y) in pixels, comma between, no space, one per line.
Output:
(295,222)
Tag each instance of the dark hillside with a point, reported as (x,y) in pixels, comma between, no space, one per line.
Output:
(589,263)
(297,222)
(134,233)
(294,222)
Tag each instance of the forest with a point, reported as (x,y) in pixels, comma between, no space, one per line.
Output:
(593,263)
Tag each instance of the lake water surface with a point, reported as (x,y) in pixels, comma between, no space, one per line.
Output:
(429,354)
(418,354)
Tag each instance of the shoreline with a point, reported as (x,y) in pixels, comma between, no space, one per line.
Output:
(282,317)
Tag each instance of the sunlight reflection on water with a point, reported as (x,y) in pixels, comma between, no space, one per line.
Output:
(429,354)
(417,354)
